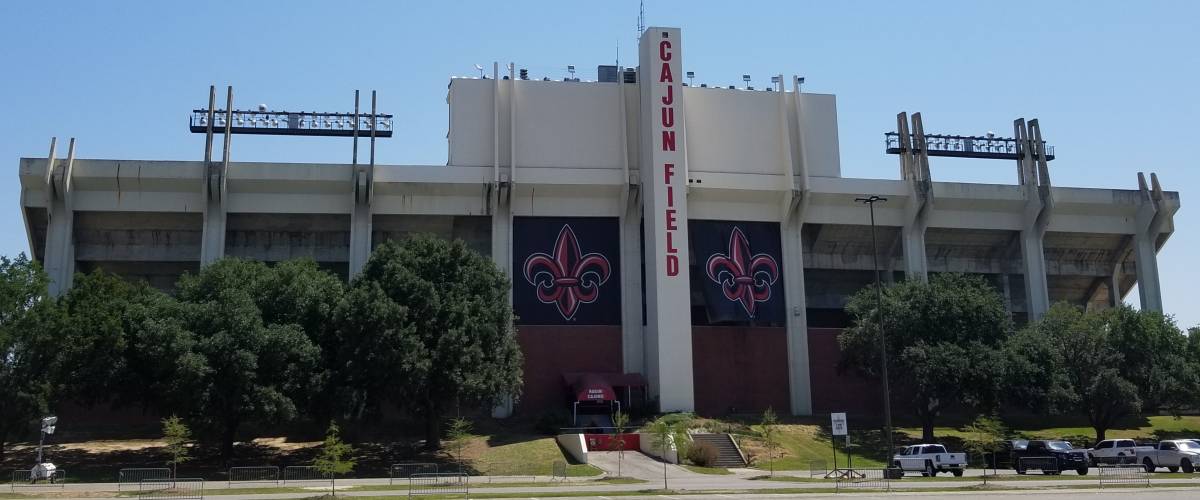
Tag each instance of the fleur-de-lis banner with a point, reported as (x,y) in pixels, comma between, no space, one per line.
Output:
(739,269)
(566,271)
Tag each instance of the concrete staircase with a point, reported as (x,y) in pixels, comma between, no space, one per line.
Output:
(728,454)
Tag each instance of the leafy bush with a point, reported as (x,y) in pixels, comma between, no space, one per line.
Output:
(702,454)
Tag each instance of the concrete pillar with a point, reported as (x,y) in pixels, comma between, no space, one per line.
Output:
(212,242)
(1035,180)
(1154,217)
(914,162)
(59,259)
(664,195)
(632,332)
(799,380)
(1037,293)
(360,237)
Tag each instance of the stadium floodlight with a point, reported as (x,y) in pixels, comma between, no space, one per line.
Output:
(480,70)
(746,78)
(690,76)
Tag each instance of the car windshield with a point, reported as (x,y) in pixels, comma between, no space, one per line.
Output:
(1058,445)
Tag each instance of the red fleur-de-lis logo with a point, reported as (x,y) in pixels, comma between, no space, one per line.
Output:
(566,278)
(744,278)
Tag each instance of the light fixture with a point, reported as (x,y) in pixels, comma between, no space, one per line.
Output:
(746,78)
(691,75)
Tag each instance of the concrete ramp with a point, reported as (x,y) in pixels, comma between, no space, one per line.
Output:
(637,465)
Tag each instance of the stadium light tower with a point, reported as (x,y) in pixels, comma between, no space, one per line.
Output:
(870,201)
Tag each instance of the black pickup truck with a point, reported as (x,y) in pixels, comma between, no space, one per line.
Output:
(1050,457)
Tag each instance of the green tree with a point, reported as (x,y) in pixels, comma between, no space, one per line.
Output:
(1108,365)
(251,370)
(27,351)
(617,442)
(445,309)
(985,435)
(458,435)
(334,458)
(179,441)
(770,435)
(669,432)
(944,342)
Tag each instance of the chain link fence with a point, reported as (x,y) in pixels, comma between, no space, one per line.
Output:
(254,474)
(171,489)
(130,478)
(864,479)
(404,470)
(438,484)
(1123,475)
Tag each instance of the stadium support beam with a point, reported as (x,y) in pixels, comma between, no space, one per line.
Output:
(59,260)
(212,243)
(791,230)
(914,169)
(499,203)
(1154,218)
(363,187)
(1034,175)
(633,341)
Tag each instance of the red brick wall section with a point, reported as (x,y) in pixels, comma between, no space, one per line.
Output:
(551,350)
(833,391)
(739,369)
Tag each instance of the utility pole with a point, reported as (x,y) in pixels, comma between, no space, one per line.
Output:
(870,201)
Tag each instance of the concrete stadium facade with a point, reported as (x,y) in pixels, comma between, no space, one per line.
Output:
(703,238)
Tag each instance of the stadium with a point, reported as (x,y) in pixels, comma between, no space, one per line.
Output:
(680,246)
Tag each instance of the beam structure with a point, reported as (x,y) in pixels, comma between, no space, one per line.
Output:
(1155,217)
(914,170)
(212,245)
(59,261)
(1034,175)
(791,230)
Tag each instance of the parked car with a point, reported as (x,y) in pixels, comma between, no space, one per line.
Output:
(1115,451)
(1174,454)
(1050,457)
(929,460)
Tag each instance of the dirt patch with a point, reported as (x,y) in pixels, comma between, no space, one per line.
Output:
(282,443)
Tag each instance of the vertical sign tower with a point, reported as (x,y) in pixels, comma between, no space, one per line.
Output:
(664,188)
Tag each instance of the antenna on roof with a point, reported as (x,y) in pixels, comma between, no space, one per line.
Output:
(641,19)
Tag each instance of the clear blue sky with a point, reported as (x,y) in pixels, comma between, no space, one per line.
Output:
(1114,83)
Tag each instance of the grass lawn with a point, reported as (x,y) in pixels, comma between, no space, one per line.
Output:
(526,455)
(803,440)
(716,471)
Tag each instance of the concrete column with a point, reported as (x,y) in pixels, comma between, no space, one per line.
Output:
(914,161)
(360,237)
(916,264)
(59,259)
(1154,217)
(799,380)
(632,332)
(212,241)
(502,223)
(664,196)
(1035,180)
(1037,293)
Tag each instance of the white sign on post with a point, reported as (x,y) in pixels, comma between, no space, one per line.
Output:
(839,423)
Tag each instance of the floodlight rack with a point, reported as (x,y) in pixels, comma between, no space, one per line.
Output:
(963,146)
(306,123)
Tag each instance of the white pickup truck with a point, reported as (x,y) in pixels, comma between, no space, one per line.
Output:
(1174,454)
(1115,451)
(930,459)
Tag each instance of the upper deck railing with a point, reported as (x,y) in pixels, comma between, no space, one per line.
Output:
(961,146)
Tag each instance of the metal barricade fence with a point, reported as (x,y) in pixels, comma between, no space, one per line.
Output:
(405,469)
(190,488)
(817,468)
(864,479)
(438,484)
(24,479)
(255,474)
(304,473)
(558,471)
(133,476)
(1123,474)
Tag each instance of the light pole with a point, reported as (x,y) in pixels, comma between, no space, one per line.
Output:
(883,362)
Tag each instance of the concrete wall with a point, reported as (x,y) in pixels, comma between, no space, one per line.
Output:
(575,446)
